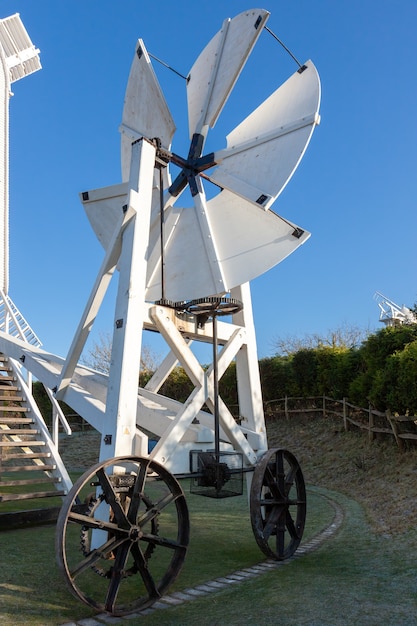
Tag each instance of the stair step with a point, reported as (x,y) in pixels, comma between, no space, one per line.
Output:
(8,497)
(25,455)
(16,409)
(19,431)
(15,420)
(4,379)
(9,387)
(21,444)
(9,397)
(29,481)
(28,468)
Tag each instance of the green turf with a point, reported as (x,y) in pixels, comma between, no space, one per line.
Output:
(33,593)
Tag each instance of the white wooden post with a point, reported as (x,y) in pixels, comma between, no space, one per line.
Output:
(247,369)
(120,418)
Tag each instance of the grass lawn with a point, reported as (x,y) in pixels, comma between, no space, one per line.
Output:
(363,575)
(356,578)
(33,593)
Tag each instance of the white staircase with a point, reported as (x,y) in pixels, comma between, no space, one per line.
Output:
(30,466)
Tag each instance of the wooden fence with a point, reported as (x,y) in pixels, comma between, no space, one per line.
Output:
(402,427)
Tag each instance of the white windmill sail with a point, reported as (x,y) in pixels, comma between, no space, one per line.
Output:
(229,239)
(145,112)
(275,137)
(245,242)
(216,70)
(18,58)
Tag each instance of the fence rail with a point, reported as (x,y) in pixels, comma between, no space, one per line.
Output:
(402,427)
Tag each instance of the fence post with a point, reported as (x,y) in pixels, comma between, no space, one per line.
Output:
(394,429)
(345,420)
(286,407)
(371,433)
(324,405)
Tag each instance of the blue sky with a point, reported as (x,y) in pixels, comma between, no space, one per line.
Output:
(354,190)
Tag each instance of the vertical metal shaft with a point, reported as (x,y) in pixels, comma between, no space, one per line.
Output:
(161,227)
(216,390)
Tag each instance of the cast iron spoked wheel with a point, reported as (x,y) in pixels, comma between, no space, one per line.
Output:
(278,504)
(122,551)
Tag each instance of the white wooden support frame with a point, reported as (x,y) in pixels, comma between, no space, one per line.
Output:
(119,425)
(202,394)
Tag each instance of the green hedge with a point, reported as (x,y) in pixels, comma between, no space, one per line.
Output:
(382,371)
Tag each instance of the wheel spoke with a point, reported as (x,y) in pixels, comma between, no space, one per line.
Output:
(95,555)
(272,484)
(143,570)
(289,481)
(289,522)
(272,520)
(111,499)
(279,461)
(136,496)
(91,522)
(163,541)
(280,542)
(117,573)
(149,515)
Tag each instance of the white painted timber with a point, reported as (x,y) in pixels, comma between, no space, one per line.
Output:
(215,72)
(213,247)
(210,248)
(88,389)
(165,450)
(240,241)
(121,403)
(145,111)
(251,411)
(274,137)
(98,292)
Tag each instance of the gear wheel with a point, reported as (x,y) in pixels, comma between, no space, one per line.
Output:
(92,503)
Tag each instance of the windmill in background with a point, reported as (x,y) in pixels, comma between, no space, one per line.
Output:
(25,442)
(392,314)
(18,58)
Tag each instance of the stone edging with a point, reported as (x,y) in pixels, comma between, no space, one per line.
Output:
(187,595)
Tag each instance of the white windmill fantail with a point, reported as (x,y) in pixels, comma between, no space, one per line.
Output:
(232,237)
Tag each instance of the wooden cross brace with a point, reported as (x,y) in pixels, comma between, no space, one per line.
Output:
(203,391)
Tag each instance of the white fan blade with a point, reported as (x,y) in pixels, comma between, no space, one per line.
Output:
(208,249)
(265,149)
(145,111)
(104,206)
(190,268)
(247,241)
(216,70)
